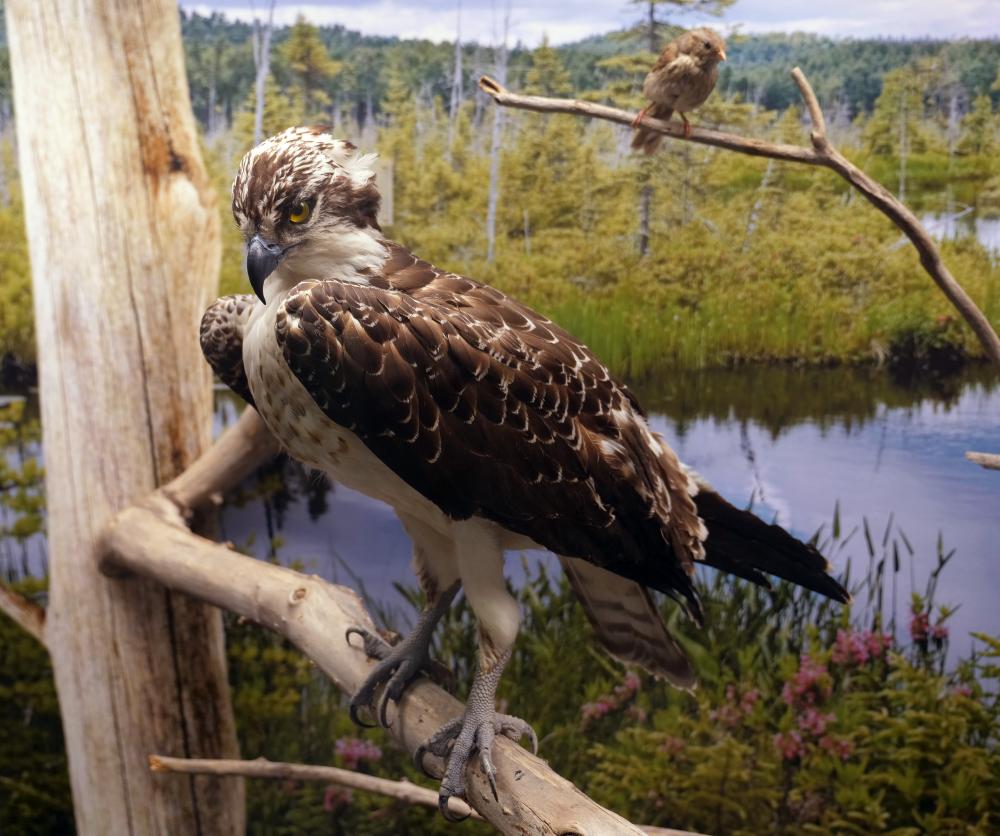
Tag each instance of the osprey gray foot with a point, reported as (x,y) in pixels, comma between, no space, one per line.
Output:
(398,665)
(474,731)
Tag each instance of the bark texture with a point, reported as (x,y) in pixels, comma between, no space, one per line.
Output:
(123,233)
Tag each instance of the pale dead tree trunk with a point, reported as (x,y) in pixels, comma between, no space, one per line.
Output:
(902,146)
(494,191)
(123,232)
(645,208)
(456,82)
(261,44)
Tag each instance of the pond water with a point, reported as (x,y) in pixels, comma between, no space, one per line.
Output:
(798,444)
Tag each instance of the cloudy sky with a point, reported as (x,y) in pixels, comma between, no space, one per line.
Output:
(569,20)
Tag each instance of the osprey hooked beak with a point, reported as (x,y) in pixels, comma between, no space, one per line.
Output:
(262,257)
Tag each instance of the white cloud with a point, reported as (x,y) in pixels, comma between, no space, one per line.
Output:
(572,20)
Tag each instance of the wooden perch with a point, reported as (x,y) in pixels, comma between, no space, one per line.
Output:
(26,614)
(822,153)
(403,790)
(151,539)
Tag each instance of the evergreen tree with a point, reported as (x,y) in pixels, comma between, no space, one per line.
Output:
(979,129)
(305,58)
(547,76)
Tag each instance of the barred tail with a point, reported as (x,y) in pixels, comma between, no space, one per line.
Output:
(627,622)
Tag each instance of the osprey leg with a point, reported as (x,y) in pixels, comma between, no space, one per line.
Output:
(479,557)
(400,664)
(474,731)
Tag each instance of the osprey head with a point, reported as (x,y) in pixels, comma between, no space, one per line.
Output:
(306,204)
(705,45)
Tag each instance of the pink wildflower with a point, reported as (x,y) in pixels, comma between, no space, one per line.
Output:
(637,713)
(335,797)
(811,684)
(919,626)
(939,632)
(840,746)
(814,722)
(789,745)
(962,691)
(354,751)
(628,687)
(672,746)
(749,700)
(595,710)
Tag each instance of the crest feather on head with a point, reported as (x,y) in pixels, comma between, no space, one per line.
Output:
(301,163)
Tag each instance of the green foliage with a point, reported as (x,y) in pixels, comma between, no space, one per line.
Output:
(980,129)
(22,497)
(17,333)
(305,59)
(34,782)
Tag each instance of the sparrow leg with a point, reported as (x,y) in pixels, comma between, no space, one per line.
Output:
(687,126)
(639,117)
(474,731)
(400,664)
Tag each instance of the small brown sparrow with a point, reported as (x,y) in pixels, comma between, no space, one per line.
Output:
(680,81)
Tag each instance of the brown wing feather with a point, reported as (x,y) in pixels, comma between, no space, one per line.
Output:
(222,340)
(489,409)
(627,623)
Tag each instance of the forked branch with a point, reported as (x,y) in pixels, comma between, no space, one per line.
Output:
(404,790)
(152,539)
(822,153)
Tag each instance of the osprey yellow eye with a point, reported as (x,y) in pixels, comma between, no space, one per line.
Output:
(300,213)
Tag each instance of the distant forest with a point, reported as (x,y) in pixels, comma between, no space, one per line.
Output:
(721,248)
(847,74)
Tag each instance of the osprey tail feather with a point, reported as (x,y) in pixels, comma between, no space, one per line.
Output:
(742,544)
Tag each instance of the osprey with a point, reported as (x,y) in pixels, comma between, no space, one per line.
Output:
(482,423)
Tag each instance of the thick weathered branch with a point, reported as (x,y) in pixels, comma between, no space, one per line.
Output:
(151,539)
(822,154)
(237,453)
(991,461)
(262,768)
(26,614)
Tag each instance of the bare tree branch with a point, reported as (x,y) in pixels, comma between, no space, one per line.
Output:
(262,768)
(26,614)
(821,154)
(151,539)
(991,461)
(403,790)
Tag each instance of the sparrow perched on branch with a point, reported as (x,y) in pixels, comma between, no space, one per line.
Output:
(681,80)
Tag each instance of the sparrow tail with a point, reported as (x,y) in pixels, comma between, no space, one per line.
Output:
(648,140)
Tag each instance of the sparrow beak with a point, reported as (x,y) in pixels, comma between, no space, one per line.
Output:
(262,257)
(722,55)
